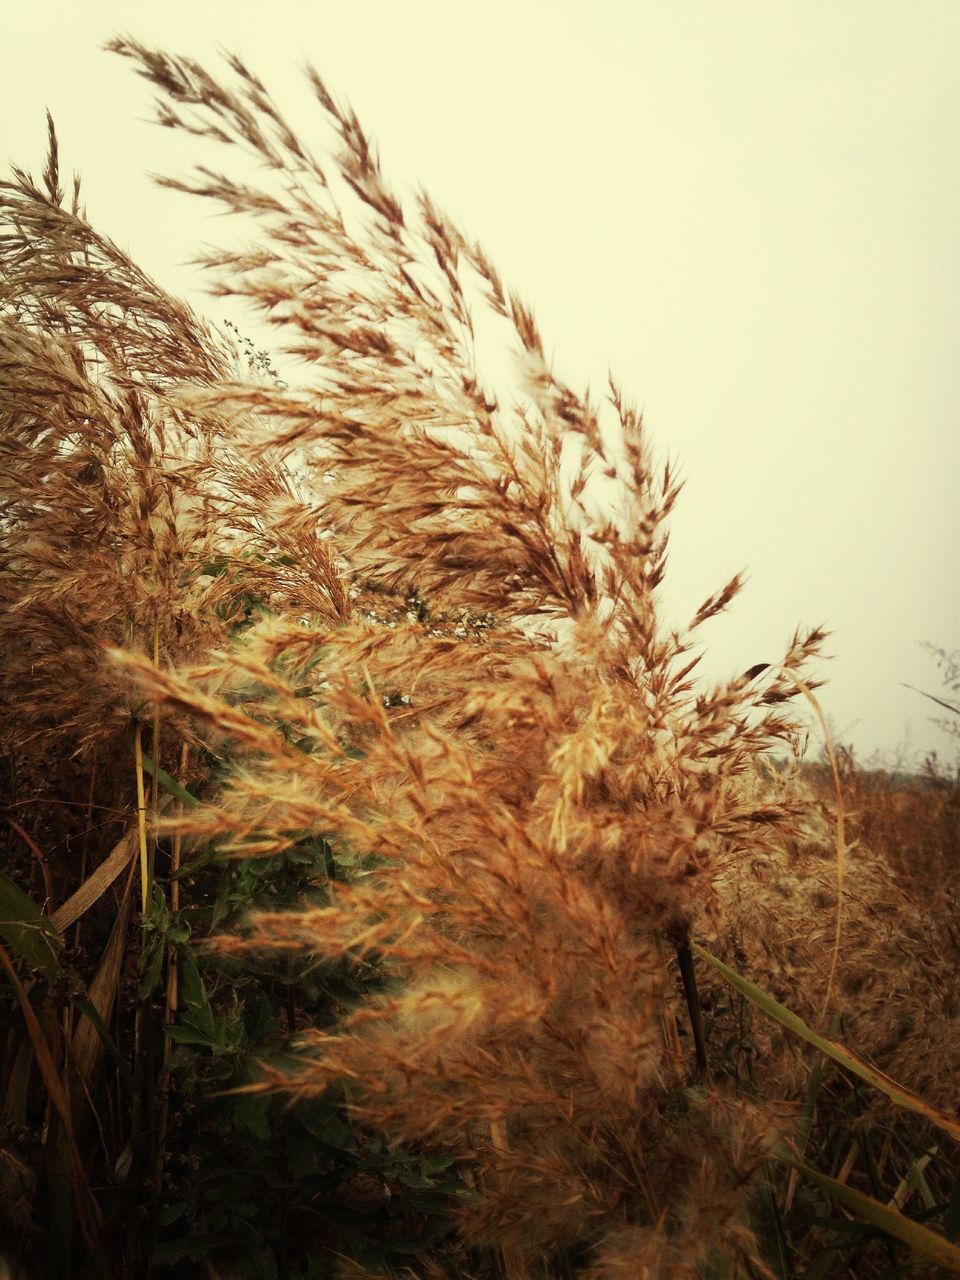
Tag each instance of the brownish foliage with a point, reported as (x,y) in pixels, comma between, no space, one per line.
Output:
(541,815)
(454,669)
(915,825)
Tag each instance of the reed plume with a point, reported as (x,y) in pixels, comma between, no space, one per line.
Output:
(477,701)
(409,604)
(405,606)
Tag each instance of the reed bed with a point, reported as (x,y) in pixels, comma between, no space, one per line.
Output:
(391,630)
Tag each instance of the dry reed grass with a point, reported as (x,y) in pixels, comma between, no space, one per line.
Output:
(545,817)
(895,990)
(454,668)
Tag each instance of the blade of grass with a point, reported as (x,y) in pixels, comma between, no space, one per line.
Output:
(88,1211)
(171,1000)
(688,975)
(832,1048)
(87,1010)
(947,706)
(914,1180)
(86,1045)
(841,834)
(808,1114)
(141,819)
(155,748)
(17,1083)
(920,1239)
(38,853)
(97,884)
(26,928)
(170,785)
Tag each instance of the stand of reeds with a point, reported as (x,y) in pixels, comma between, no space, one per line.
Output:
(401,624)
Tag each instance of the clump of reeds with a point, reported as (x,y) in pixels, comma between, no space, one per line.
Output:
(124,521)
(443,653)
(893,997)
(539,814)
(893,989)
(914,822)
(127,520)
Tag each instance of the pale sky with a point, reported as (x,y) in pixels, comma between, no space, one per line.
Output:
(749,212)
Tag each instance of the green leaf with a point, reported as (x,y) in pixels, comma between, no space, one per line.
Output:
(84,1006)
(417,1181)
(193,1246)
(28,929)
(169,784)
(179,1033)
(153,950)
(171,1213)
(213,568)
(151,961)
(195,1006)
(250,1116)
(179,930)
(333,1131)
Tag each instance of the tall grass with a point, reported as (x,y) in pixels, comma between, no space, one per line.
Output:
(441,653)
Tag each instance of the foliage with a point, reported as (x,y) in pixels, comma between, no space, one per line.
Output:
(266,1189)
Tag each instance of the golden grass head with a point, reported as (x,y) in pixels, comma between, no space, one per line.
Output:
(538,807)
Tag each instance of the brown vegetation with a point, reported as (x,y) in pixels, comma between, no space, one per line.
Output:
(441,652)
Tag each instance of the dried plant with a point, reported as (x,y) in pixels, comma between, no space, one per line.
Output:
(121,511)
(441,651)
(539,813)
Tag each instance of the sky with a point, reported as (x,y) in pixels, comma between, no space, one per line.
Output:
(748,212)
